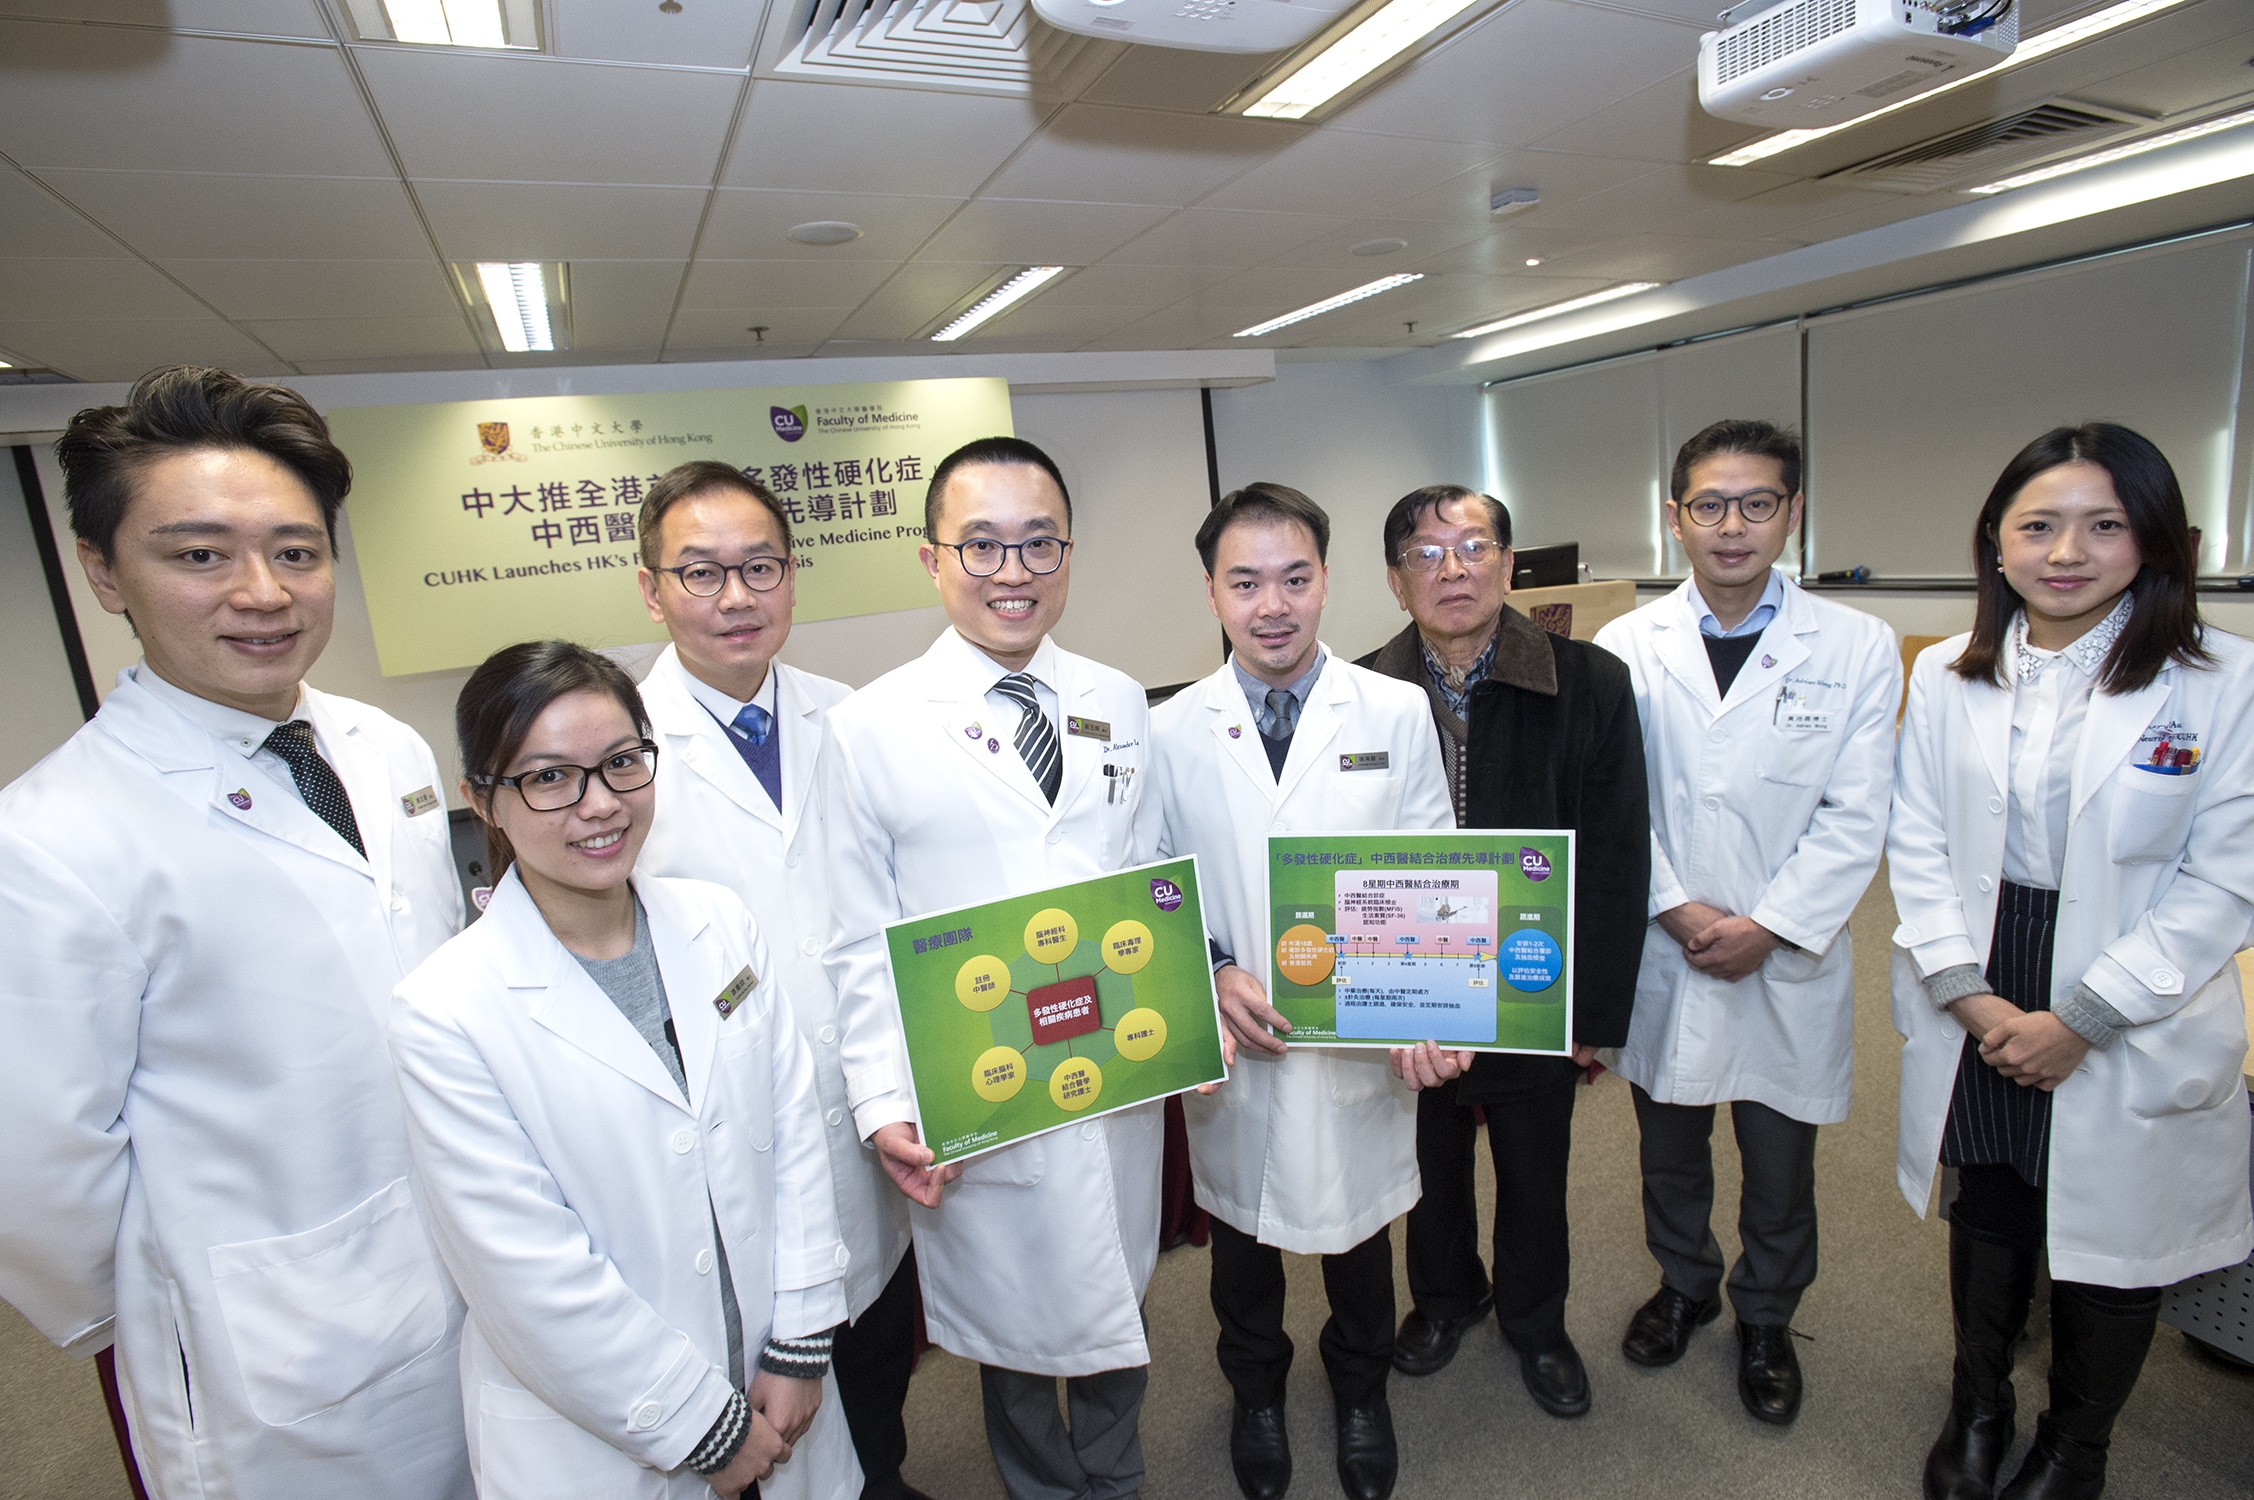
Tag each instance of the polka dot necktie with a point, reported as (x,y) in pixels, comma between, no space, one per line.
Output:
(316,780)
(1036,736)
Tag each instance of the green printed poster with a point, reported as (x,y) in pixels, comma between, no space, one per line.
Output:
(1042,1010)
(1389,939)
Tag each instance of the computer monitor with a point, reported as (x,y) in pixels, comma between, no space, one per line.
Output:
(1546,567)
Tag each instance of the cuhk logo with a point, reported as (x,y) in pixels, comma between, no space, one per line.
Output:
(1533,863)
(1166,893)
(790,422)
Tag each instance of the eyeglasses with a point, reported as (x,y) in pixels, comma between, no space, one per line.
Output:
(554,788)
(1472,552)
(705,579)
(1754,507)
(982,557)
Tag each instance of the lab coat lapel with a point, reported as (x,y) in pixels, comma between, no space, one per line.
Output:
(798,721)
(701,742)
(1782,647)
(2111,732)
(366,774)
(691,960)
(1240,748)
(1683,653)
(1076,698)
(1988,707)
(1320,720)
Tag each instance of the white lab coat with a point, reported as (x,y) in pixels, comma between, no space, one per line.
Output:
(1315,1151)
(573,1192)
(1038,1256)
(203,1136)
(2148,1155)
(1769,804)
(716,822)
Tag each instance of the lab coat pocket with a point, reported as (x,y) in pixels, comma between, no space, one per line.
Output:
(1358,799)
(1357,1075)
(1019,1165)
(2191,1060)
(1800,758)
(749,1068)
(2151,816)
(315,1318)
(527,1451)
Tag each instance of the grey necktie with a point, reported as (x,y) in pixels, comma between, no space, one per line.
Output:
(1283,714)
(1036,736)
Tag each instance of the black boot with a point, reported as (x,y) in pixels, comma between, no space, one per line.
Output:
(1990,1288)
(2099,1336)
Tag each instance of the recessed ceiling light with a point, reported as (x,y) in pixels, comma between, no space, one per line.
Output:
(518,293)
(825,232)
(1379,247)
(1328,304)
(1000,300)
(1533,260)
(1380,37)
(1558,309)
(513,24)
(2042,44)
(2118,153)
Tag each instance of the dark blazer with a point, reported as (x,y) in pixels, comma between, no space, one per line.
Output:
(1555,743)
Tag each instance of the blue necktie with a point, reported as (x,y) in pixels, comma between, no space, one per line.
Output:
(755,740)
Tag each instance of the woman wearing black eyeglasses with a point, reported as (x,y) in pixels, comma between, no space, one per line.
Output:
(616,1134)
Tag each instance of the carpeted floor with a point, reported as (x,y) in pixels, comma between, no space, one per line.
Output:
(1877,1362)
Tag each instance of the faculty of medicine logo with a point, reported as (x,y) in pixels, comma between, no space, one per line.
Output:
(790,422)
(1533,863)
(493,438)
(1165,894)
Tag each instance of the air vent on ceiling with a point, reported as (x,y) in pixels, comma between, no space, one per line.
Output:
(968,46)
(1980,152)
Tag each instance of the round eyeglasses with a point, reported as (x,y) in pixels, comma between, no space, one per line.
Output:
(1472,552)
(554,788)
(1754,507)
(982,557)
(705,579)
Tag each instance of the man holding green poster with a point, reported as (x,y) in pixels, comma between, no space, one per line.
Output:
(993,766)
(1303,1149)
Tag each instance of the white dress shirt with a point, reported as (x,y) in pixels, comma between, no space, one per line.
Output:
(2050,698)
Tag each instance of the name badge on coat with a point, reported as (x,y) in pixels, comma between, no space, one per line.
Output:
(728,999)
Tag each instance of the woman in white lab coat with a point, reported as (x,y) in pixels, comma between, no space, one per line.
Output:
(2072,856)
(616,1134)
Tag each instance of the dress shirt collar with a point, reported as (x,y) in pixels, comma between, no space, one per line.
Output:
(723,707)
(1772,600)
(2087,653)
(243,733)
(981,671)
(1256,691)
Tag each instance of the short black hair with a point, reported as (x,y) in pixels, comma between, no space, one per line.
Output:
(1262,502)
(189,409)
(1737,435)
(696,477)
(1401,521)
(990,450)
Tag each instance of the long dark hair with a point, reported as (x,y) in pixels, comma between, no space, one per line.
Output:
(509,690)
(2164,600)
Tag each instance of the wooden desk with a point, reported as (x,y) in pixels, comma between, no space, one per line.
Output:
(1587,607)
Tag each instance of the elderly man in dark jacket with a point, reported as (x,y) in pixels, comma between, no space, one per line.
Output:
(1537,731)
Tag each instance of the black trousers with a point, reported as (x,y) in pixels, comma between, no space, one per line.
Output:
(873,1359)
(1530,1136)
(1248,1299)
(1776,1213)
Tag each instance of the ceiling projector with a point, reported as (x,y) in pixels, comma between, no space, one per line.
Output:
(1196,25)
(1805,64)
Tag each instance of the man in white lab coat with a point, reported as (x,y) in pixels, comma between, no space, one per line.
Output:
(1305,1149)
(993,765)
(741,736)
(1768,724)
(209,892)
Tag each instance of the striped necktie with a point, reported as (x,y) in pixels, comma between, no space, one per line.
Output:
(317,780)
(1036,736)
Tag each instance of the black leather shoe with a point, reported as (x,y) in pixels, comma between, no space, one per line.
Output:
(1424,1345)
(1367,1455)
(1260,1453)
(1963,1461)
(1556,1380)
(1768,1372)
(1661,1329)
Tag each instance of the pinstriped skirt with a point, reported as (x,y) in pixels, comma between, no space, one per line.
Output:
(1992,1120)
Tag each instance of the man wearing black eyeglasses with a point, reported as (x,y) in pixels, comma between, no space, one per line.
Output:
(1536,731)
(1768,724)
(743,738)
(994,765)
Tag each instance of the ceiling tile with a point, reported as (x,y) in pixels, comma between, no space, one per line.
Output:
(751,224)
(1179,327)
(99,290)
(783,283)
(102,97)
(722,327)
(1065,323)
(1171,78)
(1660,197)
(920,292)
(363,338)
(711,36)
(1269,291)
(1334,251)
(2207,74)
(1223,237)
(677,355)
(816,136)
(284,18)
(622,304)
(386,364)
(33,223)
(1784,211)
(484,117)
(1661,257)
(1504,251)
(128,349)
(1012,230)
(1660,123)
(1143,287)
(1100,153)
(1347,172)
(200,216)
(319,288)
(1560,177)
(560,221)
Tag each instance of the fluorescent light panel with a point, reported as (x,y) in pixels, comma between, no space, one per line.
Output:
(447,23)
(1000,300)
(2119,153)
(518,294)
(1383,35)
(2042,44)
(1559,309)
(1329,304)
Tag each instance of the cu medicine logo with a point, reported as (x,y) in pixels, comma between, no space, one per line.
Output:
(1533,863)
(790,422)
